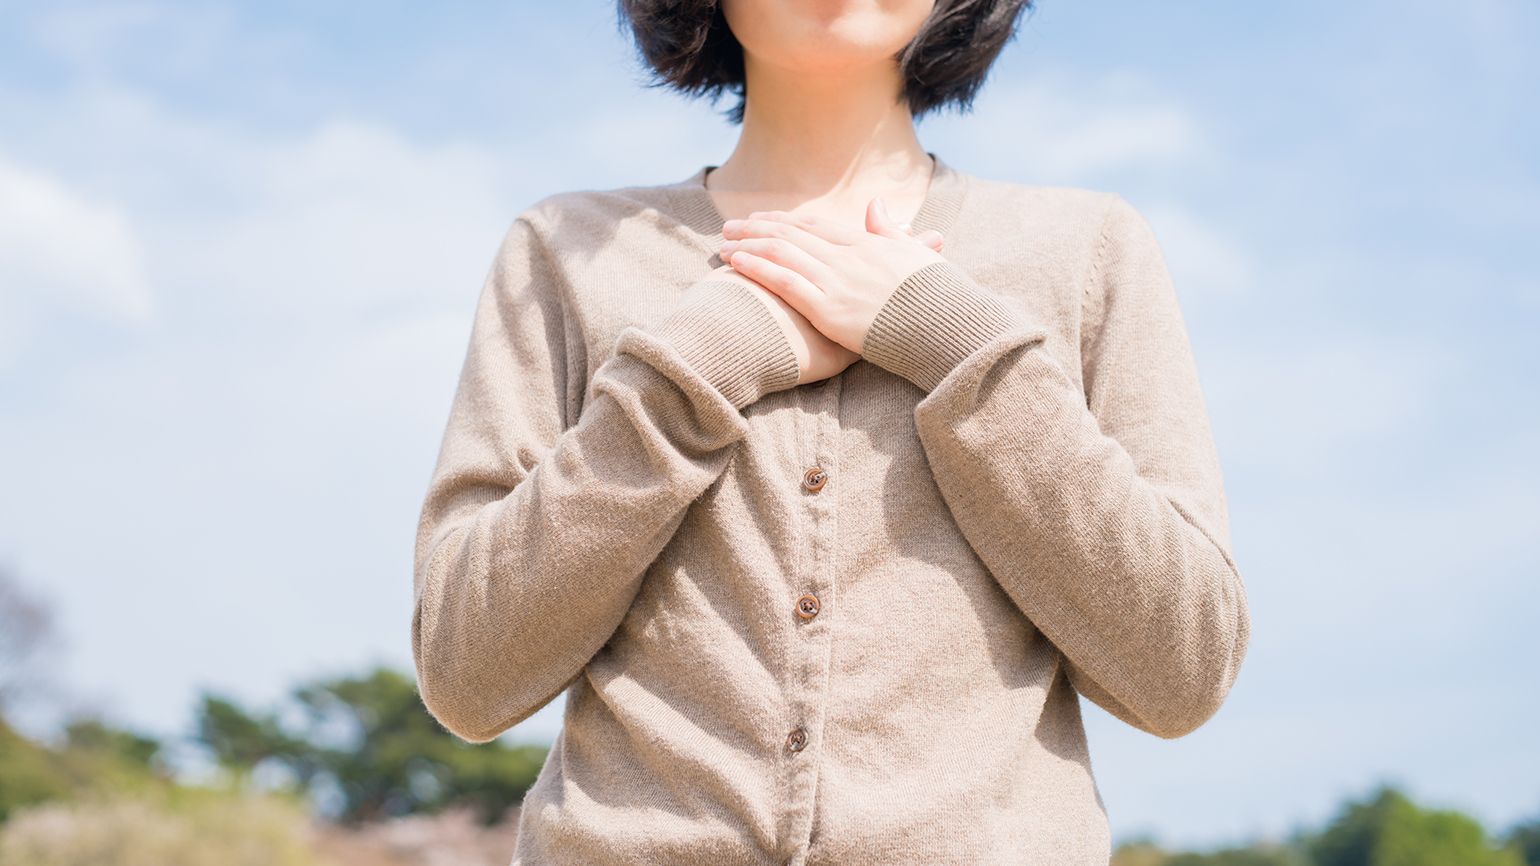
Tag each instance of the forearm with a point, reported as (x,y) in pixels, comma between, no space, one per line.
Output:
(1108,566)
(1107,555)
(519,586)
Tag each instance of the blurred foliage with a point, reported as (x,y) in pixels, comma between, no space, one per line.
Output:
(367,746)
(1253,855)
(356,748)
(1385,828)
(1525,839)
(94,758)
(354,751)
(178,826)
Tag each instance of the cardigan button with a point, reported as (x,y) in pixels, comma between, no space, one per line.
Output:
(796,739)
(813,479)
(807,606)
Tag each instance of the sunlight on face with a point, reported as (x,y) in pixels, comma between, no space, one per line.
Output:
(824,35)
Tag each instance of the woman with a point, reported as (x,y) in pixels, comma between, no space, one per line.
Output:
(824,532)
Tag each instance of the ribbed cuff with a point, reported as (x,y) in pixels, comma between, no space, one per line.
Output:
(935,318)
(732,340)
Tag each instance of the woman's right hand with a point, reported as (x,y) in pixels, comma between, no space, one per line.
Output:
(818,356)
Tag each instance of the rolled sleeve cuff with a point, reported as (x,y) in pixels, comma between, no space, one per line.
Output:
(732,340)
(935,318)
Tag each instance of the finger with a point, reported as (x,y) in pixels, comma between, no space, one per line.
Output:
(788,255)
(737,231)
(789,285)
(931,238)
(880,222)
(830,230)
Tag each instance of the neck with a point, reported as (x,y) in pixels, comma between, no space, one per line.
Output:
(827,143)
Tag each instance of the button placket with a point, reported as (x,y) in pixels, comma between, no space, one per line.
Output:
(807,680)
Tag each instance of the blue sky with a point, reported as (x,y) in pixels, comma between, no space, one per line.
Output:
(240,246)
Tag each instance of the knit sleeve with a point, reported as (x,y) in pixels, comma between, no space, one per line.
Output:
(1100,510)
(533,537)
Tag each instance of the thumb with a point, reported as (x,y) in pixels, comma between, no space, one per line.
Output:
(880,222)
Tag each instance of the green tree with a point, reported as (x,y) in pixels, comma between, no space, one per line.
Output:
(1144,851)
(1253,855)
(133,749)
(240,740)
(367,749)
(1388,829)
(29,773)
(1524,838)
(94,757)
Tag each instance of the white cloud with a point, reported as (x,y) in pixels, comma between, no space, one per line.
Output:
(312,298)
(87,34)
(225,230)
(345,219)
(1052,128)
(101,38)
(1055,128)
(1496,33)
(62,254)
(1204,260)
(1326,397)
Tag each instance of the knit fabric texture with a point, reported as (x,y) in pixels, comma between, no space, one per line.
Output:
(844,622)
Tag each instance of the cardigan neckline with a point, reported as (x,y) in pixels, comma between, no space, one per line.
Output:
(693,206)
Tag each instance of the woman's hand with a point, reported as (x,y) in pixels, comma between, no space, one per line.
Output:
(835,276)
(817,356)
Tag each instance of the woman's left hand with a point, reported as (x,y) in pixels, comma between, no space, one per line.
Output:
(837,276)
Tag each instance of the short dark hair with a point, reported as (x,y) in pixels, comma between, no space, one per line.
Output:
(689,48)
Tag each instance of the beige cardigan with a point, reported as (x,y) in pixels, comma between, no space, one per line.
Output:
(836,623)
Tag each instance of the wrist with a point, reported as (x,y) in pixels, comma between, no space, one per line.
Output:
(935,318)
(732,340)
